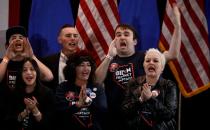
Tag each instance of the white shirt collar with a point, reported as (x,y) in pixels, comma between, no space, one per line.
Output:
(63,57)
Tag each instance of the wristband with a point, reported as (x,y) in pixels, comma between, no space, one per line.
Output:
(109,57)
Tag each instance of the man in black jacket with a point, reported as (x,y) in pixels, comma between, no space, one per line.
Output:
(68,38)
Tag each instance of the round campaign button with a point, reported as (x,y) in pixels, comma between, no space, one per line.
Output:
(94,89)
(92,95)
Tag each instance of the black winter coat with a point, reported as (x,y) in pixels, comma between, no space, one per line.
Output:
(154,114)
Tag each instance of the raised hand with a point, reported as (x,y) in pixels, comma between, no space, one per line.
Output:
(10,54)
(28,51)
(112,49)
(177,14)
(175,44)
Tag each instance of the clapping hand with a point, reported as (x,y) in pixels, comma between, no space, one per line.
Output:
(82,96)
(146,92)
(31,103)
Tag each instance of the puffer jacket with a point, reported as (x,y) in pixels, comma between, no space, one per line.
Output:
(154,114)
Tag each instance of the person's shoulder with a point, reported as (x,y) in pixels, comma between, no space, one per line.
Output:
(167,83)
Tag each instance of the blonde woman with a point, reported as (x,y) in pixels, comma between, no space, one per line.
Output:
(151,102)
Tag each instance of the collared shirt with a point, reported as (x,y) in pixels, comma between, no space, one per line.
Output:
(62,64)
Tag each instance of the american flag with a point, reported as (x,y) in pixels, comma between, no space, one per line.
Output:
(192,68)
(96,21)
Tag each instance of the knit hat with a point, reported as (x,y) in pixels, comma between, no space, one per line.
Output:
(15,30)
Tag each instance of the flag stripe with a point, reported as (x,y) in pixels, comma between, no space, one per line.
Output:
(101,25)
(96,21)
(193,57)
(86,39)
(91,33)
(14,12)
(87,12)
(113,5)
(190,28)
(196,20)
(168,30)
(101,10)
(91,38)
(112,18)
(182,76)
(86,29)
(192,67)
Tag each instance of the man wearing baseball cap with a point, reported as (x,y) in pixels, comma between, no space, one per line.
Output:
(14,43)
(17,49)
(15,30)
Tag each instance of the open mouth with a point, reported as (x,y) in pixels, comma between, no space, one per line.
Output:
(151,69)
(85,73)
(72,44)
(29,78)
(18,45)
(123,44)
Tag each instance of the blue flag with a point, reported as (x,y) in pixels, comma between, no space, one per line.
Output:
(46,18)
(207,11)
(144,17)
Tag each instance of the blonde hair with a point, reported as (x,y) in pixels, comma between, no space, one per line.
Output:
(162,57)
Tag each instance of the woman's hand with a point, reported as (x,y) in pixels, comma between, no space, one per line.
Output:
(82,96)
(31,103)
(146,92)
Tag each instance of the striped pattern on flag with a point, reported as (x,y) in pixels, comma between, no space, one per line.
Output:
(95,23)
(192,69)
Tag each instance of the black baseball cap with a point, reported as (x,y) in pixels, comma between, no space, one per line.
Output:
(15,30)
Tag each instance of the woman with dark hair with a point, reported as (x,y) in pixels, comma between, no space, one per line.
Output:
(37,102)
(80,102)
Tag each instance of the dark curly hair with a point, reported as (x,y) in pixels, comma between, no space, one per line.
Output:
(79,57)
